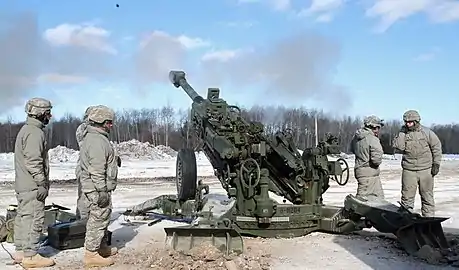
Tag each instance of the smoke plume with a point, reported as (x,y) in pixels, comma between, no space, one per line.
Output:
(299,67)
(19,58)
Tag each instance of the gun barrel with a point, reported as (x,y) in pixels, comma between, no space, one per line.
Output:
(178,79)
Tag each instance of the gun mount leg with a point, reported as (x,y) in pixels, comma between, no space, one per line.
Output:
(185,238)
(186,174)
(412,230)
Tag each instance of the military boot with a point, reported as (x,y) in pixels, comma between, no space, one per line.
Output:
(106,251)
(18,256)
(37,261)
(93,259)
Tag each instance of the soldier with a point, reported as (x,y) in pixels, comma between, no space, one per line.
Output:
(31,166)
(99,171)
(81,211)
(368,152)
(421,160)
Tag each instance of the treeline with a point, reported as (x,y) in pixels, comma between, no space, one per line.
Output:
(167,126)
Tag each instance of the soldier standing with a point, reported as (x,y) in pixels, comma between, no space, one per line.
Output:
(81,211)
(99,170)
(31,166)
(368,152)
(422,154)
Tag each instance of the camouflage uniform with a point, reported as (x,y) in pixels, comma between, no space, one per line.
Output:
(368,152)
(31,166)
(422,154)
(82,130)
(99,171)
(81,210)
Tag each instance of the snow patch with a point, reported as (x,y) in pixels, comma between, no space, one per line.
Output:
(135,149)
(132,149)
(62,154)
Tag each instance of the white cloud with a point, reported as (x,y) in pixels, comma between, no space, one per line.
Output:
(445,11)
(391,11)
(278,5)
(192,43)
(428,56)
(182,40)
(322,10)
(80,35)
(221,55)
(319,6)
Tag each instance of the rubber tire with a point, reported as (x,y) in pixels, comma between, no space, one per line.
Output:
(187,189)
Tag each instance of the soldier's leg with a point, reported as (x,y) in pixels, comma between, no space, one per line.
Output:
(426,186)
(79,200)
(82,209)
(409,187)
(19,230)
(33,219)
(97,224)
(378,189)
(363,187)
(105,250)
(18,225)
(370,187)
(98,221)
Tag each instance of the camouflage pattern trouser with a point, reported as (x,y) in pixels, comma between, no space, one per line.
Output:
(98,221)
(410,182)
(81,210)
(370,187)
(28,223)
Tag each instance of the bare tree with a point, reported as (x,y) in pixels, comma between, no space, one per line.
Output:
(166,126)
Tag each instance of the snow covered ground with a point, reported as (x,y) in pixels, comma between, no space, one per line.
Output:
(156,166)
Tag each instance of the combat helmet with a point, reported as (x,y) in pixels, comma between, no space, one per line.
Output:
(86,113)
(373,121)
(37,106)
(411,115)
(99,114)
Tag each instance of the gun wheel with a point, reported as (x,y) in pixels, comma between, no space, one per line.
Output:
(186,175)
(342,181)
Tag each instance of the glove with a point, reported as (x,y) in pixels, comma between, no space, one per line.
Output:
(118,161)
(403,129)
(103,199)
(42,193)
(435,169)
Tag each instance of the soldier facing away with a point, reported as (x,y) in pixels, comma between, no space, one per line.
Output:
(368,152)
(31,166)
(81,210)
(99,171)
(422,153)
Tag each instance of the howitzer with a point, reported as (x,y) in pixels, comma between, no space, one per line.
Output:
(249,164)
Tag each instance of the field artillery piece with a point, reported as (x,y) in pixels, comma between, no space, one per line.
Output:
(249,165)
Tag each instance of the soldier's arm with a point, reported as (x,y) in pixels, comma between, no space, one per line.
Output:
(399,141)
(376,152)
(435,147)
(352,145)
(97,165)
(33,157)
(80,133)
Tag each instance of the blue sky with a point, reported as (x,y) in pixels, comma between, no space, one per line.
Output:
(347,57)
